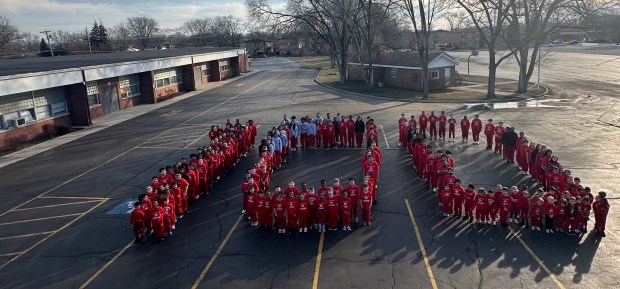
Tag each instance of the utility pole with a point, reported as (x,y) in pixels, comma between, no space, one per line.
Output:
(90,49)
(48,40)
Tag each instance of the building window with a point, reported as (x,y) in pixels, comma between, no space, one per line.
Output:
(435,74)
(130,85)
(92,93)
(224,65)
(17,118)
(22,108)
(206,70)
(168,77)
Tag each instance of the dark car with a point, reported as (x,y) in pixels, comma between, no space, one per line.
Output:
(260,55)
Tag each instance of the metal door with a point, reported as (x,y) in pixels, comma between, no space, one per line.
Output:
(197,76)
(110,99)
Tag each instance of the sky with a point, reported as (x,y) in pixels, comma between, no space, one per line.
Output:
(72,15)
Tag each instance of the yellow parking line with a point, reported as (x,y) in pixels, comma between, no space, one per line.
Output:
(56,205)
(50,235)
(538,260)
(317,266)
(419,237)
(39,219)
(387,145)
(217,253)
(26,235)
(92,278)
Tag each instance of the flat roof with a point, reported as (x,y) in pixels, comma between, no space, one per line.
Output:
(42,64)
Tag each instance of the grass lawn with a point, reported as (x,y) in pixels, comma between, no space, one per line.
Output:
(330,76)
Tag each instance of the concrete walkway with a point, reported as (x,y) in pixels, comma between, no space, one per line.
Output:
(107,121)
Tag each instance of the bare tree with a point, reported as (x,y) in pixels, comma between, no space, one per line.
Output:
(120,38)
(199,31)
(228,31)
(142,30)
(365,27)
(490,17)
(329,20)
(8,34)
(422,15)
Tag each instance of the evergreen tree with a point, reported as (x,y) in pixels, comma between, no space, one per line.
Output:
(95,36)
(103,36)
(44,48)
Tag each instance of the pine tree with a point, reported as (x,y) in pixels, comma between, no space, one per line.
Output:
(44,48)
(103,36)
(95,36)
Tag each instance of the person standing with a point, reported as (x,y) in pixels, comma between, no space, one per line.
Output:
(350,131)
(601,209)
(465,129)
(476,128)
(509,140)
(442,126)
(360,128)
(432,119)
(422,120)
(451,129)
(499,132)
(489,132)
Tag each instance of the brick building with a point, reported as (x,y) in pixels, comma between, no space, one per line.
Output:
(39,93)
(402,69)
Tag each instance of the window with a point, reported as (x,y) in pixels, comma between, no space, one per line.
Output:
(168,77)
(130,85)
(31,106)
(435,74)
(206,70)
(10,119)
(224,65)
(92,93)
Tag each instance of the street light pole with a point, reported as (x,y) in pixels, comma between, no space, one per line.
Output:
(48,41)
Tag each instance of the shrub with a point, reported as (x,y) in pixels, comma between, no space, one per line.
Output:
(48,131)
(63,129)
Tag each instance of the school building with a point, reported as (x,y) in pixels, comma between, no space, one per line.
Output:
(40,94)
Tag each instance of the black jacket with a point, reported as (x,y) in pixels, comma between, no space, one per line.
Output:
(510,138)
(360,126)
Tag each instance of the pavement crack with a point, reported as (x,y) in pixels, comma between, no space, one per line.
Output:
(476,257)
(393,273)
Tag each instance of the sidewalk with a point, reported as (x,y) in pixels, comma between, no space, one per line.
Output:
(107,121)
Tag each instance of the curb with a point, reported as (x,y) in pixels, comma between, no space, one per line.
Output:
(511,99)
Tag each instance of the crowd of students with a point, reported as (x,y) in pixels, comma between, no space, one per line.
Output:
(561,204)
(167,197)
(298,209)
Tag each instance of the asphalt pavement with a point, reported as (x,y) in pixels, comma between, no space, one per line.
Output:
(56,233)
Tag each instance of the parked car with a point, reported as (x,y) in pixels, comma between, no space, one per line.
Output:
(260,55)
(574,42)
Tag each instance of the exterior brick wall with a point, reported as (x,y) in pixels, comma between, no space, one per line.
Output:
(129,101)
(30,131)
(163,93)
(96,112)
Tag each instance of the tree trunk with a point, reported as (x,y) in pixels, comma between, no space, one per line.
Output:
(523,67)
(492,74)
(425,77)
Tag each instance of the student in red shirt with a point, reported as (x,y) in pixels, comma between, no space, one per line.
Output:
(137,219)
(321,211)
(560,216)
(303,211)
(252,210)
(353,192)
(313,200)
(550,209)
(442,125)
(366,201)
(332,209)
(601,209)
(279,207)
(469,195)
(447,197)
(291,188)
(465,129)
(524,207)
(505,203)
(515,194)
(350,131)
(402,130)
(536,213)
(432,119)
(489,132)
(422,120)
(585,210)
(451,129)
(476,128)
(492,208)
(184,187)
(267,216)
(481,203)
(169,216)
(157,221)
(291,213)
(345,211)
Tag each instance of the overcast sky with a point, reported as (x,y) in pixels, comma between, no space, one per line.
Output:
(36,15)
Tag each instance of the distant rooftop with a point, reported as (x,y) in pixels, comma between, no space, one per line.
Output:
(41,64)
